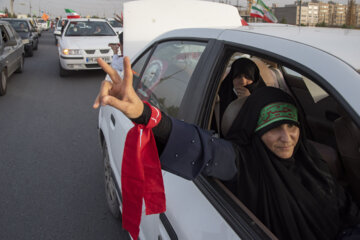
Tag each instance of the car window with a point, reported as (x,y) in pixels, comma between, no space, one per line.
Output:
(316,92)
(4,34)
(20,26)
(168,72)
(88,28)
(138,66)
(10,33)
(115,23)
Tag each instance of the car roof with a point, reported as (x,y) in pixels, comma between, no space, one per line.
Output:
(87,19)
(342,43)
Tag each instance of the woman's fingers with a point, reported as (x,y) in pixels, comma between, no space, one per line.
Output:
(130,109)
(128,74)
(104,91)
(97,102)
(109,70)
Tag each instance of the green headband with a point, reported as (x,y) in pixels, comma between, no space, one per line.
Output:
(276,112)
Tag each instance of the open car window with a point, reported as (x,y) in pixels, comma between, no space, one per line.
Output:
(316,92)
(328,127)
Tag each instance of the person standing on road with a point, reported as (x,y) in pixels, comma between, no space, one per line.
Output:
(117,59)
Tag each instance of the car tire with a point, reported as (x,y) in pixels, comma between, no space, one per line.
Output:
(110,187)
(3,83)
(30,52)
(63,72)
(36,46)
(21,66)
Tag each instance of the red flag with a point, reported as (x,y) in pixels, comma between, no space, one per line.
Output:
(141,176)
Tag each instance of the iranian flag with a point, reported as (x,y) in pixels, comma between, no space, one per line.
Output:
(71,13)
(260,10)
(3,14)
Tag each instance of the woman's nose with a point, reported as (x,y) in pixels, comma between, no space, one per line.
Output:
(285,135)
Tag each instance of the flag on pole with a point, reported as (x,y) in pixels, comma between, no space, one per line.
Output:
(260,10)
(71,13)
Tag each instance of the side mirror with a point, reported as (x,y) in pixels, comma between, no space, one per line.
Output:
(10,43)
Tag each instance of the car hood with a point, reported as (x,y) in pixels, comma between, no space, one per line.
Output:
(88,42)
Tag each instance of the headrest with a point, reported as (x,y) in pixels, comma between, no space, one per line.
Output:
(267,75)
(230,114)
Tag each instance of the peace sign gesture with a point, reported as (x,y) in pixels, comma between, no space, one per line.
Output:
(119,93)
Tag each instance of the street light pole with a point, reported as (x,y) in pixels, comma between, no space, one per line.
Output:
(299,12)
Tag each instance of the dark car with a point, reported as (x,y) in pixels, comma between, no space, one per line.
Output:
(27,32)
(11,54)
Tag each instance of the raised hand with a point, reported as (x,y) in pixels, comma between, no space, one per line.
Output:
(120,93)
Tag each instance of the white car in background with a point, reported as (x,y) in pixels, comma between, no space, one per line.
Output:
(82,42)
(116,25)
(180,72)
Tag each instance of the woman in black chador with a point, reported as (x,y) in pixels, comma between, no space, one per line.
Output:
(278,175)
(243,78)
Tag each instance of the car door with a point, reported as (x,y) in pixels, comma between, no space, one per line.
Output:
(18,48)
(8,53)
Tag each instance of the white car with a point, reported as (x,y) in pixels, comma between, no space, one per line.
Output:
(42,24)
(82,42)
(116,25)
(180,72)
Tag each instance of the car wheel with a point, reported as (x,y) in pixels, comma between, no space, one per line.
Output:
(110,188)
(3,83)
(36,45)
(21,66)
(63,72)
(30,52)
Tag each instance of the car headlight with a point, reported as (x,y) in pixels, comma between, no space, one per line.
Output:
(66,51)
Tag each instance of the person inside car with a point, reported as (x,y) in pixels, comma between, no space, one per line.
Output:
(243,78)
(97,30)
(276,173)
(22,27)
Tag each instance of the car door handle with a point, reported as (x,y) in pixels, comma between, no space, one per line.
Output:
(112,119)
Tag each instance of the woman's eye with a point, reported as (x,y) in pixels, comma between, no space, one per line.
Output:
(290,125)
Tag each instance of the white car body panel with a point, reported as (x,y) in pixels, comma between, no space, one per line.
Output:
(191,214)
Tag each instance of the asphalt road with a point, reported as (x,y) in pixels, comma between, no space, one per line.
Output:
(51,172)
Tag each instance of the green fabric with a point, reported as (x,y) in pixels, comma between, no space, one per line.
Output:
(276,112)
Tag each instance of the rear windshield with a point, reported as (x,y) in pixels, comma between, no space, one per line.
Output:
(19,25)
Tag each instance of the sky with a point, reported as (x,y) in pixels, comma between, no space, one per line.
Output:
(101,8)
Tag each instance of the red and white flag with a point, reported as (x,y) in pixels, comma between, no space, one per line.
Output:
(71,13)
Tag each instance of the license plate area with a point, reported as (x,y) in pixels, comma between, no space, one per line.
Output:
(93,59)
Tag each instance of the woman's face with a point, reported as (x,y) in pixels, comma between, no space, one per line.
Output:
(239,83)
(282,140)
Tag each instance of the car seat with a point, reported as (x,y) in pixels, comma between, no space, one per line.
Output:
(348,141)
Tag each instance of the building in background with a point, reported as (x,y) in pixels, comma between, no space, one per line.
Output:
(318,13)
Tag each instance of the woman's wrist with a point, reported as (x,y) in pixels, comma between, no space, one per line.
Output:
(144,117)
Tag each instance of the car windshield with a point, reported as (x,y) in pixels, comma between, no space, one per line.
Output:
(19,26)
(88,28)
(115,23)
